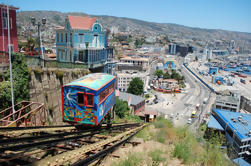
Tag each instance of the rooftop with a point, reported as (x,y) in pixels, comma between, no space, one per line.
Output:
(80,22)
(229,99)
(93,81)
(241,127)
(134,58)
(214,124)
(130,98)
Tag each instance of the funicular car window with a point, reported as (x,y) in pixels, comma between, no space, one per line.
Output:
(81,98)
(89,100)
(106,92)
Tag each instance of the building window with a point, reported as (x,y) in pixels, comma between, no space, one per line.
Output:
(81,37)
(65,37)
(57,37)
(89,100)
(5,21)
(81,98)
(62,37)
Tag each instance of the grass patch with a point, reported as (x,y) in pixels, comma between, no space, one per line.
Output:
(132,160)
(145,134)
(157,156)
(160,136)
(162,123)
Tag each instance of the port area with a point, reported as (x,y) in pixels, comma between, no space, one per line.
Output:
(242,87)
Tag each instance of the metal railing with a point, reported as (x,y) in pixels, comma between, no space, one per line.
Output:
(27,114)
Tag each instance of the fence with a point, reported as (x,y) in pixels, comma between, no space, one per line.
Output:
(209,87)
(36,61)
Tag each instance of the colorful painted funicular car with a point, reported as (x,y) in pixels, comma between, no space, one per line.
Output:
(87,100)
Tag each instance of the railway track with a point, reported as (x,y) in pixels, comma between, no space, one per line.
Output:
(52,146)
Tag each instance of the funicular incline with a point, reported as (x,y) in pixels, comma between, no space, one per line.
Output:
(25,138)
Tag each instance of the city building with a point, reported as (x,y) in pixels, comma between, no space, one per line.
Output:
(213,70)
(136,103)
(172,49)
(165,83)
(126,73)
(4,28)
(220,52)
(237,129)
(227,102)
(137,61)
(82,40)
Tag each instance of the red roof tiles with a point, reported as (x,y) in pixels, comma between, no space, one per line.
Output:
(79,22)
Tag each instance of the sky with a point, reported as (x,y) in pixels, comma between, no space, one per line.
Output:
(234,15)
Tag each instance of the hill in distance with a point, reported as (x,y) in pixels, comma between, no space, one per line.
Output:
(55,18)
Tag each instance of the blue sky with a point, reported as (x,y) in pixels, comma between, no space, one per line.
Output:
(232,15)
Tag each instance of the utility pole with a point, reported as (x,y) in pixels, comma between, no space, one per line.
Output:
(33,21)
(9,46)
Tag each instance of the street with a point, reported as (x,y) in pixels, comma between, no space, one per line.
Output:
(180,106)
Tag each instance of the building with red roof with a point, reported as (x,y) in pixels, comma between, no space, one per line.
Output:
(82,40)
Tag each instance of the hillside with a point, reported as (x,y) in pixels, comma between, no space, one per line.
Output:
(174,31)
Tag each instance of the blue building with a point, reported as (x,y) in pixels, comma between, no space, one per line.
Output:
(237,129)
(82,40)
(213,70)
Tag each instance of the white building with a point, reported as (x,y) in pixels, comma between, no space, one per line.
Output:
(228,102)
(137,61)
(124,78)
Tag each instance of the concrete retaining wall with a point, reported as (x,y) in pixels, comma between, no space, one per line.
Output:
(46,88)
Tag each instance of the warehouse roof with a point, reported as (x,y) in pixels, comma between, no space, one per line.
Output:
(130,98)
(240,123)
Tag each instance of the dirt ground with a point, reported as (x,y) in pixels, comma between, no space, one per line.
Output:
(144,147)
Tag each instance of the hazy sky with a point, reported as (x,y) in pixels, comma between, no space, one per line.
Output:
(232,15)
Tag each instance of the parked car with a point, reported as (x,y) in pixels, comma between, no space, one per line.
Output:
(189,121)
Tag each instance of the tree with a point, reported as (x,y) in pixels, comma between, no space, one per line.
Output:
(20,82)
(31,44)
(121,108)
(196,58)
(166,75)
(136,87)
(166,38)
(158,73)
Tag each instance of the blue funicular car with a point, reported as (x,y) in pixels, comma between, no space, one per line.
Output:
(87,100)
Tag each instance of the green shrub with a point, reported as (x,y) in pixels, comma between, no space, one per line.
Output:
(75,73)
(162,123)
(38,70)
(182,151)
(132,118)
(59,74)
(20,77)
(147,96)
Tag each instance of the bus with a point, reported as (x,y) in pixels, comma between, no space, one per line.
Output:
(193,114)
(87,100)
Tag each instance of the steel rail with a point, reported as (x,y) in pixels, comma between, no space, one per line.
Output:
(23,139)
(34,144)
(31,127)
(102,153)
(80,152)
